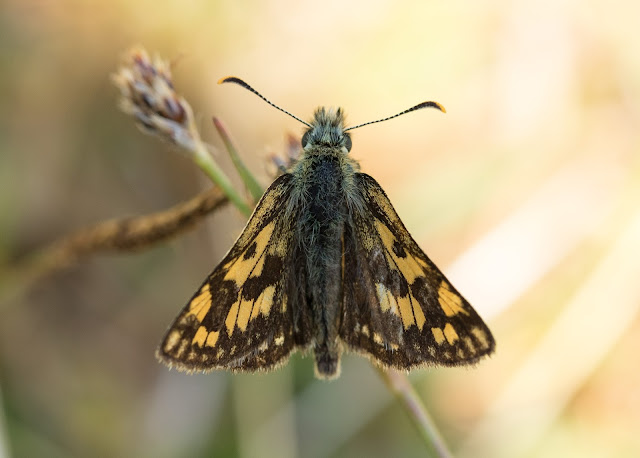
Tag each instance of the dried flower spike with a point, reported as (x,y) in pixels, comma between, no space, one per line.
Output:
(147,93)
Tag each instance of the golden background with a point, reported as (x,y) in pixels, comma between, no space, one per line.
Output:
(526,193)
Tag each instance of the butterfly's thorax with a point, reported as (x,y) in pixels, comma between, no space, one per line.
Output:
(323,179)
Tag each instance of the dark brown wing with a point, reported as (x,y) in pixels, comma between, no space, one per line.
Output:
(398,308)
(241,317)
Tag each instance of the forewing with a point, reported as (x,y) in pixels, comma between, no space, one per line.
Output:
(397,306)
(241,318)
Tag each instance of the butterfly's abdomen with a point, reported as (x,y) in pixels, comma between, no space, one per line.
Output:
(320,230)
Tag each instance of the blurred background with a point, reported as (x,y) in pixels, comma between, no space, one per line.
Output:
(526,194)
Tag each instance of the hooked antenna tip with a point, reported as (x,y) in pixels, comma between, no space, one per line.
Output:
(232,79)
(429,105)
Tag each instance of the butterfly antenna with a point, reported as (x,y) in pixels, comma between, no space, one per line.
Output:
(417,107)
(239,82)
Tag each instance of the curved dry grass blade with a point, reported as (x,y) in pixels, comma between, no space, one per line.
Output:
(126,234)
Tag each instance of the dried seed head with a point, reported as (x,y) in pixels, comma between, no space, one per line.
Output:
(147,93)
(278,164)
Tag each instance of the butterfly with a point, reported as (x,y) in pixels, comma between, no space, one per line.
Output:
(325,265)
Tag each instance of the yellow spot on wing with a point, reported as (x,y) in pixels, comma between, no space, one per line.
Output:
(256,306)
(264,302)
(408,266)
(421,262)
(438,335)
(257,270)
(230,322)
(385,235)
(382,297)
(450,302)
(481,336)
(406,311)
(387,301)
(172,340)
(470,346)
(239,269)
(244,311)
(420,318)
(199,338)
(212,338)
(384,204)
(267,300)
(450,333)
(181,348)
(201,304)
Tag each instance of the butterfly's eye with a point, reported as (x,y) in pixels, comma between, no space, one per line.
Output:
(347,141)
(305,139)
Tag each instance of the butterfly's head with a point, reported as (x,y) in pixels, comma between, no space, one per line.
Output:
(327,130)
